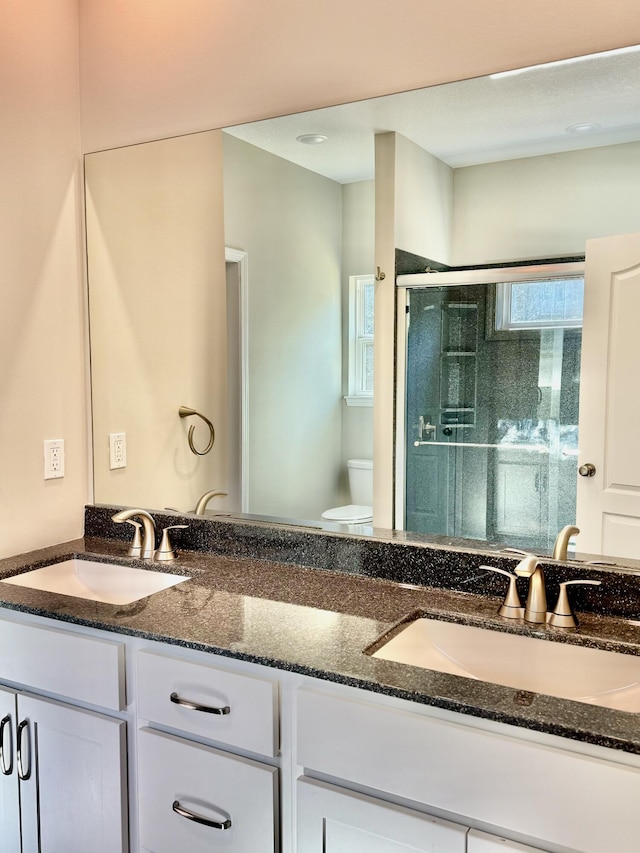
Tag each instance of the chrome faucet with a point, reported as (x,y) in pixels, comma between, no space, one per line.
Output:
(204,500)
(562,541)
(149,534)
(536,607)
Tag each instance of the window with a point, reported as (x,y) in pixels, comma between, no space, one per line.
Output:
(545,304)
(361,294)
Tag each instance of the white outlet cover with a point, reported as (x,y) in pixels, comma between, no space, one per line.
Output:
(53,458)
(117,450)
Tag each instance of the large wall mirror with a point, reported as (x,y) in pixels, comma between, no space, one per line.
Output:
(233,273)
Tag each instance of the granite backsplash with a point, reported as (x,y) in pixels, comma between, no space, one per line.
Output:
(394,556)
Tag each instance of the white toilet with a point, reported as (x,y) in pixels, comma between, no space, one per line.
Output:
(361,488)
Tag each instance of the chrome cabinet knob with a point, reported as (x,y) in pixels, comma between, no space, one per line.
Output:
(587,470)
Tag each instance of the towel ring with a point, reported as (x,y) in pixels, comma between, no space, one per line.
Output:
(186,412)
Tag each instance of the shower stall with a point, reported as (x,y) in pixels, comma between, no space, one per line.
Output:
(488,388)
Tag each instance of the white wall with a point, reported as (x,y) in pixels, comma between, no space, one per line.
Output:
(157,286)
(413,209)
(151,70)
(154,69)
(42,352)
(545,206)
(424,200)
(289,222)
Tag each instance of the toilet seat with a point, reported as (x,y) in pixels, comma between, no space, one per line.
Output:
(350,514)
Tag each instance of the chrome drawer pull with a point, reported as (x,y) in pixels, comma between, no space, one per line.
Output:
(22,773)
(197,818)
(195,706)
(6,770)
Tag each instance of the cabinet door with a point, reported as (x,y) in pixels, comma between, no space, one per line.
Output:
(331,820)
(520,493)
(74,798)
(481,842)
(9,791)
(198,799)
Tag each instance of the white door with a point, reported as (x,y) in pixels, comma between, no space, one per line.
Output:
(73,779)
(608,501)
(481,842)
(331,820)
(9,793)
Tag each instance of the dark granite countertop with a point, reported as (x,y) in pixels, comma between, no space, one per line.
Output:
(319,622)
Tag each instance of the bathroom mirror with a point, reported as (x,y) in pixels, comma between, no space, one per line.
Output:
(223,268)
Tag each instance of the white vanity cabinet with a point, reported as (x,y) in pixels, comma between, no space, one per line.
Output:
(528,786)
(9,785)
(63,768)
(332,820)
(194,796)
(230,756)
(481,842)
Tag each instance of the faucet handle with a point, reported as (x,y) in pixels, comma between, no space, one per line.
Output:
(511,607)
(166,552)
(527,566)
(563,616)
(135,549)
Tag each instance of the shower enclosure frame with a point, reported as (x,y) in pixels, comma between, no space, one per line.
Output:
(459,278)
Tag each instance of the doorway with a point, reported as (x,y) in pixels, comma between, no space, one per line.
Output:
(236,269)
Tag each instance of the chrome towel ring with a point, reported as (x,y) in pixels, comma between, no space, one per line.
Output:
(186,412)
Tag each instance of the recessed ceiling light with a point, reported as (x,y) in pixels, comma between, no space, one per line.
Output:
(583,127)
(311,138)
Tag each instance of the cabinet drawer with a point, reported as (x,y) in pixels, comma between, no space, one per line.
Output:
(480,775)
(251,721)
(61,662)
(211,784)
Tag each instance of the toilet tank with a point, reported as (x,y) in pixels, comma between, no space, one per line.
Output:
(361,481)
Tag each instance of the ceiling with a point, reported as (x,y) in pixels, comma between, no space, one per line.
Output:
(502,117)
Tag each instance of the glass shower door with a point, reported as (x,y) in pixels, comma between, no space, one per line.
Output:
(491,415)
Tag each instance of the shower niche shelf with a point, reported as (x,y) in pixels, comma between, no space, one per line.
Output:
(459,364)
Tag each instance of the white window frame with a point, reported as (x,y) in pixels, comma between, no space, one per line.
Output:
(503,321)
(358,341)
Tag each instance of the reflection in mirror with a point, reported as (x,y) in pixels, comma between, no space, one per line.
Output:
(492,391)
(493,171)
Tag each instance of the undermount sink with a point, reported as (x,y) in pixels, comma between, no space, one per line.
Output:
(106,582)
(596,676)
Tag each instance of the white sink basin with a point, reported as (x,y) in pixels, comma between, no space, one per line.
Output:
(598,677)
(106,582)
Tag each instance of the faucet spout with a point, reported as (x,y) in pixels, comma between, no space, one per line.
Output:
(148,526)
(536,607)
(562,541)
(204,500)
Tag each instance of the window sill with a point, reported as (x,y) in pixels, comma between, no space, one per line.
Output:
(359,401)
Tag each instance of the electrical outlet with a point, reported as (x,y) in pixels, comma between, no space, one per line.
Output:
(54,459)
(117,450)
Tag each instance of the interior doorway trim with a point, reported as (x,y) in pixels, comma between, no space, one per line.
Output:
(241,258)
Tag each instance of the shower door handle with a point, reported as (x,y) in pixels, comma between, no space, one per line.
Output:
(426,430)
